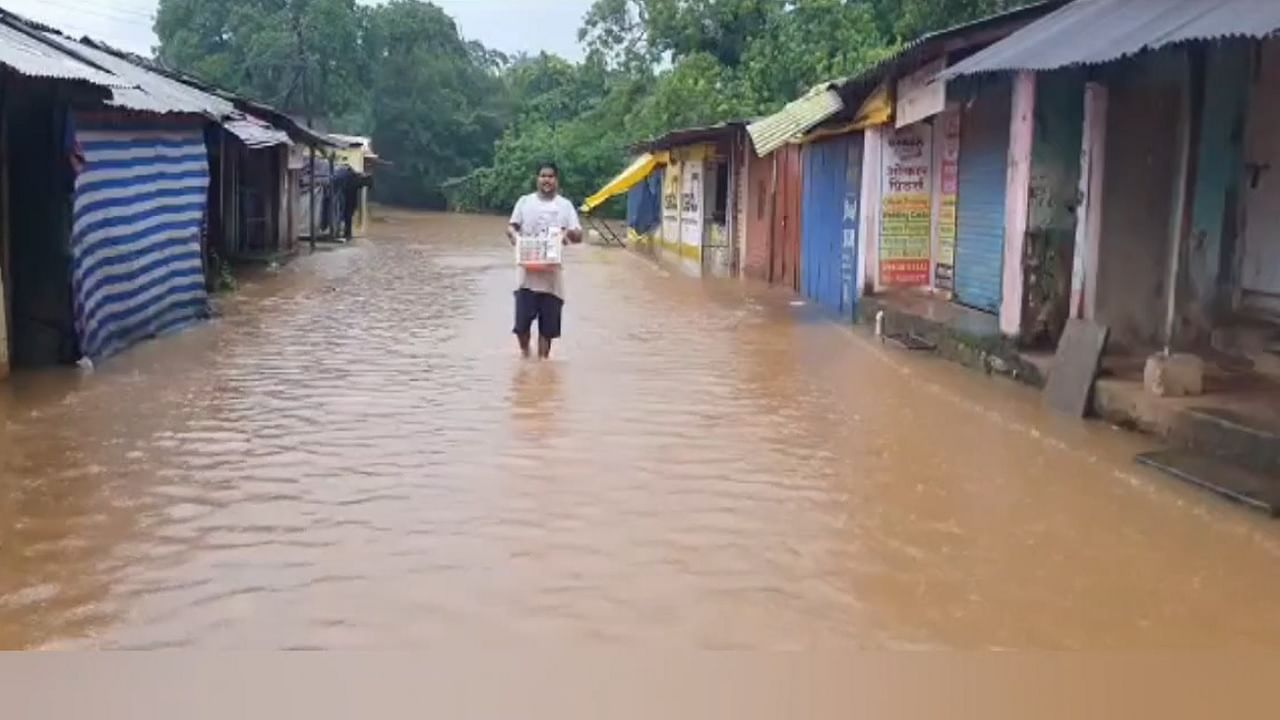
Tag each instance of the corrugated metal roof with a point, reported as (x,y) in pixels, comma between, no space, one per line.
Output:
(297,131)
(689,136)
(1091,32)
(798,117)
(29,56)
(254,133)
(952,39)
(148,91)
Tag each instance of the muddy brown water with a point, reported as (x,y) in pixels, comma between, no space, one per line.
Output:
(354,456)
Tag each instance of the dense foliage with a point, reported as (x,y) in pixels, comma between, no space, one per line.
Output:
(467,123)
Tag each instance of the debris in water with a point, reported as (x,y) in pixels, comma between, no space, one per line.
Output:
(910,341)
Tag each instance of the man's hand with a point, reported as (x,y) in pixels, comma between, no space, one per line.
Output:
(513,235)
(573,237)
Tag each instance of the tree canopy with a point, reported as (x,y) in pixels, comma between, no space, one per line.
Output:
(467,124)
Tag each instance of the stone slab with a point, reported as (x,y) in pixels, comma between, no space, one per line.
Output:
(1176,375)
(1230,481)
(1075,367)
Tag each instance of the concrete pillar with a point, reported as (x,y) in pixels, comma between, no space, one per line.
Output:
(1017,200)
(1093,157)
(869,222)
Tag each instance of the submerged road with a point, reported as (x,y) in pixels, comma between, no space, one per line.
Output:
(354,456)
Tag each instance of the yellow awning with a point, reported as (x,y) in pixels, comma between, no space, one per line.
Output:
(635,173)
(877,109)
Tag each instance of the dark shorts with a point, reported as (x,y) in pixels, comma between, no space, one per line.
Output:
(544,307)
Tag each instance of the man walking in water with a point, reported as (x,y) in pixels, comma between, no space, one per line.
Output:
(540,294)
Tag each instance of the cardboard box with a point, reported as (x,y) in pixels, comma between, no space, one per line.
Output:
(540,251)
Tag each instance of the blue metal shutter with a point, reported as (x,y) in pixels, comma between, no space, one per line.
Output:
(984,153)
(822,222)
(850,218)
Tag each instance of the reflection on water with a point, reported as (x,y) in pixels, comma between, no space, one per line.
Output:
(356,456)
(536,397)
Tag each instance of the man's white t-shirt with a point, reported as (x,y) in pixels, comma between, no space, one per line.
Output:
(534,215)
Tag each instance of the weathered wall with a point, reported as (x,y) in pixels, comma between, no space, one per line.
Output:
(1054,195)
(1220,165)
(755,263)
(741,188)
(785,245)
(692,219)
(1142,160)
(669,236)
(4,334)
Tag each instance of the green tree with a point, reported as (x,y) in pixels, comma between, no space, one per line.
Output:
(812,42)
(628,30)
(300,55)
(467,123)
(907,19)
(436,113)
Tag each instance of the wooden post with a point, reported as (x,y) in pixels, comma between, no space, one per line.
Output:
(1017,201)
(1093,157)
(222,198)
(6,282)
(311,200)
(331,217)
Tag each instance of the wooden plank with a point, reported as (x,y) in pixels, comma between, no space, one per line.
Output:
(1075,367)
(1229,481)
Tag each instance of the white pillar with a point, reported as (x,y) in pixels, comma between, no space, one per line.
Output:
(1084,270)
(869,222)
(1017,200)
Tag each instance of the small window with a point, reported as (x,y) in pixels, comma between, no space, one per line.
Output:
(720,210)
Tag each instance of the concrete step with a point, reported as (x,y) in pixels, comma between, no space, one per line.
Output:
(1254,341)
(1239,439)
(1233,482)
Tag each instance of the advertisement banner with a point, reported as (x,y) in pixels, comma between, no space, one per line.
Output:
(949,183)
(906,216)
(671,206)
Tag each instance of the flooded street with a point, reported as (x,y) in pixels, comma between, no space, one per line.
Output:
(354,456)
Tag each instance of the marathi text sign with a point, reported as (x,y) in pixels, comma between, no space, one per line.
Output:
(906,216)
(949,185)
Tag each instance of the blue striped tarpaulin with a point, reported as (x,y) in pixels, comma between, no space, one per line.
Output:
(135,244)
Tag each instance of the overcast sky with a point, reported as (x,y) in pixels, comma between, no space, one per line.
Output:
(506,25)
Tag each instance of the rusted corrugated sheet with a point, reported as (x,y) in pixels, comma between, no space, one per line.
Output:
(758,220)
(256,134)
(773,217)
(713,134)
(28,55)
(1091,32)
(799,116)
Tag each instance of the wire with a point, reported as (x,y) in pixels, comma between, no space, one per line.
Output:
(63,17)
(109,12)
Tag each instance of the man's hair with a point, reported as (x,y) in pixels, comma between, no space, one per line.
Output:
(548,165)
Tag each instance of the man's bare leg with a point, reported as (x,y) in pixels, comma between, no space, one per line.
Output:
(544,348)
(524,344)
